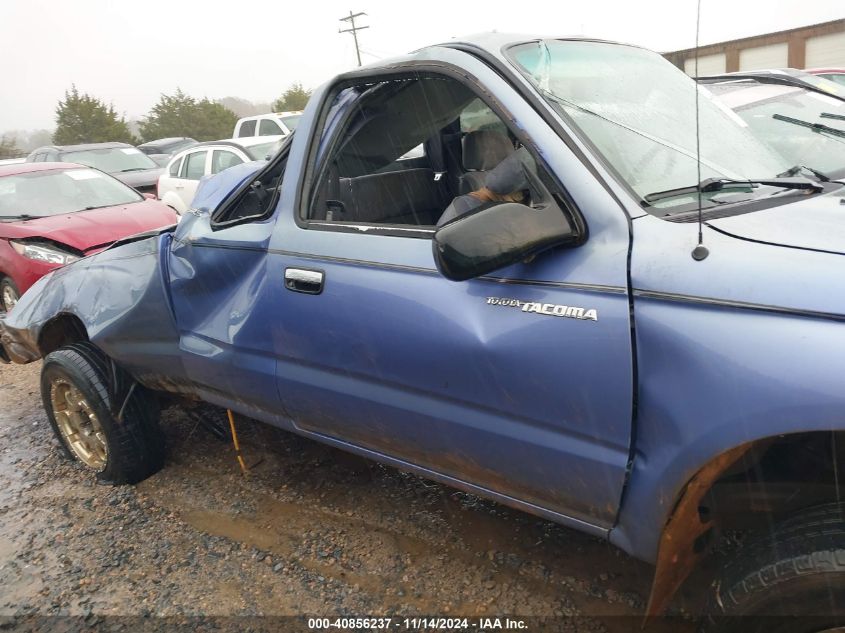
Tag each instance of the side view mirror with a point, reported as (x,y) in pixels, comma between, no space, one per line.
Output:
(149,196)
(497,235)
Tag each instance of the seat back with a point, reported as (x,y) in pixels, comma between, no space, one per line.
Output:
(410,196)
(482,150)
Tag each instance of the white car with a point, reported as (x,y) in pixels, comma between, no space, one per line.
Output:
(270,124)
(178,184)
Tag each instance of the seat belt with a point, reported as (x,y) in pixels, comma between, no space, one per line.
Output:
(450,152)
(333,192)
(434,148)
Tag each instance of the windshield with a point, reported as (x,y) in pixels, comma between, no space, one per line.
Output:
(291,121)
(639,111)
(166,147)
(111,159)
(54,192)
(263,150)
(758,103)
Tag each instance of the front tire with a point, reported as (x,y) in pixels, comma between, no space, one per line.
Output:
(9,294)
(77,391)
(792,580)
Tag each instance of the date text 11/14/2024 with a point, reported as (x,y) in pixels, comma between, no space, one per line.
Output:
(418,623)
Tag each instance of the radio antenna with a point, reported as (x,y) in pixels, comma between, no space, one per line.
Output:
(700,251)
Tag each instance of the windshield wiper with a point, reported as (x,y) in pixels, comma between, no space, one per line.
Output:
(830,115)
(795,170)
(717,184)
(123,171)
(22,216)
(817,127)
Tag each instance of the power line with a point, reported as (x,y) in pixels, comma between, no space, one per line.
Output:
(354,30)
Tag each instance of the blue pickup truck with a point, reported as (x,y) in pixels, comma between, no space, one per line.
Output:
(510,265)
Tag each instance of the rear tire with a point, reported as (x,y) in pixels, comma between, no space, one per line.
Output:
(76,389)
(792,580)
(9,294)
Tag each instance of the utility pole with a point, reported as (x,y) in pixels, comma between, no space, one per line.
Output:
(354,30)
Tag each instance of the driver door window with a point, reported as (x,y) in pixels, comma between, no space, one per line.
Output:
(223,159)
(175,167)
(194,167)
(268,127)
(366,177)
(247,128)
(191,170)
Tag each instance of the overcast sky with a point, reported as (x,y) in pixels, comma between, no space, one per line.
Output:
(128,52)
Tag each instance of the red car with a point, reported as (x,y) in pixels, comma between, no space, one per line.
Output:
(51,214)
(836,75)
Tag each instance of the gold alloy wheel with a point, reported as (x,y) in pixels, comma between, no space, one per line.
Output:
(78,424)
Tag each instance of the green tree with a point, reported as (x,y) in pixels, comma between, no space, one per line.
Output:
(81,118)
(294,98)
(182,115)
(9,147)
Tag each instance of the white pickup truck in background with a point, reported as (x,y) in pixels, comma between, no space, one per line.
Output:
(271,124)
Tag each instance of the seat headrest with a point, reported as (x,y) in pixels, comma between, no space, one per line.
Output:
(510,175)
(484,149)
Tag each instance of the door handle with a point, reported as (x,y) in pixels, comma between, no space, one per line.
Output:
(304,280)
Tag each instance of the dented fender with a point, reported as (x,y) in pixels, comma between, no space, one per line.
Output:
(122,299)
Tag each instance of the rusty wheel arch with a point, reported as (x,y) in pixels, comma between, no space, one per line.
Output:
(767,478)
(677,553)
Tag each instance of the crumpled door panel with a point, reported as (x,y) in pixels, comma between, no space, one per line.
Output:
(227,307)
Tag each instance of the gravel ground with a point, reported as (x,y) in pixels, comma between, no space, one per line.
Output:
(310,530)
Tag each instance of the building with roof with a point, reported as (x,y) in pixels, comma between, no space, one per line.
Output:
(816,46)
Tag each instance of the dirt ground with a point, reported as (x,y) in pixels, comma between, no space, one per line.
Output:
(311,530)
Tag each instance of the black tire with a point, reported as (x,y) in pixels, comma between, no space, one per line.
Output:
(7,286)
(793,580)
(135,445)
